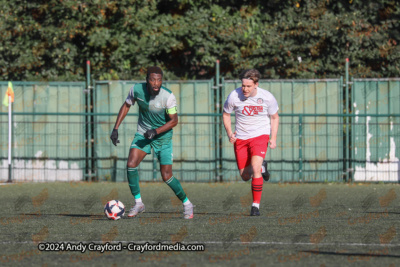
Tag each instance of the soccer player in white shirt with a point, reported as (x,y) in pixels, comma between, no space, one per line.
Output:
(257,122)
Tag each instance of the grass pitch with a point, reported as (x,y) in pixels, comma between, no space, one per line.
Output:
(300,224)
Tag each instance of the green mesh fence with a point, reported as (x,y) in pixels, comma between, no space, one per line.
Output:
(45,146)
(57,137)
(375,137)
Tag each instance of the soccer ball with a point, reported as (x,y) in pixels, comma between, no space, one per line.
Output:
(114,209)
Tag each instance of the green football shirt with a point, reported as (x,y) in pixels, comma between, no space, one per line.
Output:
(153,110)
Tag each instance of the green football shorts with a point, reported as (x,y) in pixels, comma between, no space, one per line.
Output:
(162,148)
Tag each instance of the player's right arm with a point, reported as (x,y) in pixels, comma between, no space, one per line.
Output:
(130,100)
(121,115)
(226,117)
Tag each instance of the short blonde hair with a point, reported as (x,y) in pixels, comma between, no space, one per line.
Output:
(251,74)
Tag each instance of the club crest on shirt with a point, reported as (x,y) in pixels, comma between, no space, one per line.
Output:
(259,101)
(157,104)
(252,110)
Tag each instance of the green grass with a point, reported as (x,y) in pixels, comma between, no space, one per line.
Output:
(300,224)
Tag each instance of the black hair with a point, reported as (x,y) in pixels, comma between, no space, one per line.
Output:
(154,69)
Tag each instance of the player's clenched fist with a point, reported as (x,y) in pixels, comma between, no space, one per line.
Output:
(272,143)
(232,138)
(150,134)
(114,137)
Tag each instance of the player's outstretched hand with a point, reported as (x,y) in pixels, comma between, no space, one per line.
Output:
(272,143)
(232,138)
(149,134)
(114,137)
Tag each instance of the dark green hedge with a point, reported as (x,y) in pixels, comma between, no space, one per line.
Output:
(51,40)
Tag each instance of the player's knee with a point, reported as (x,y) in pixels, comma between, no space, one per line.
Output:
(166,175)
(132,164)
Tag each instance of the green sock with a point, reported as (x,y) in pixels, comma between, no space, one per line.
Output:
(177,188)
(133,180)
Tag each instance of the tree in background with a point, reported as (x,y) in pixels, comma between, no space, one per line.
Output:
(51,40)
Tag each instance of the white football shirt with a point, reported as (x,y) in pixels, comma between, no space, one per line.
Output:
(252,113)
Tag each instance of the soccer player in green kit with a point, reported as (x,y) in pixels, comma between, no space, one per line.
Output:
(157,116)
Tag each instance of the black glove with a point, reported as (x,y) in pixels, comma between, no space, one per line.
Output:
(114,137)
(149,134)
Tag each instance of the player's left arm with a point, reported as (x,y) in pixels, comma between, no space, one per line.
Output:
(170,124)
(172,113)
(274,130)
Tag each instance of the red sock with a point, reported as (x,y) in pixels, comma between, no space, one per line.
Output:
(256,188)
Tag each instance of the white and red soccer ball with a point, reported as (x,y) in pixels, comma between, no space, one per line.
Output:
(114,209)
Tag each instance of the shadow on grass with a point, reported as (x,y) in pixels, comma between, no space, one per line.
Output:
(372,255)
(380,212)
(102,216)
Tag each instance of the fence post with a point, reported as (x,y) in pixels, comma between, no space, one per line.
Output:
(347,106)
(221,132)
(350,170)
(218,124)
(300,147)
(114,175)
(214,121)
(88,135)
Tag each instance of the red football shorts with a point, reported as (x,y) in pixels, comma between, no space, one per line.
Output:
(245,149)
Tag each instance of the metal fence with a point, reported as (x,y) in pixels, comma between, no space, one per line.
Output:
(48,141)
(375,130)
(62,134)
(194,140)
